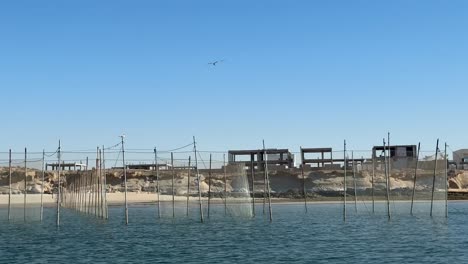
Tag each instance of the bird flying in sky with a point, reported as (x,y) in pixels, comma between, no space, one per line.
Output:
(215,62)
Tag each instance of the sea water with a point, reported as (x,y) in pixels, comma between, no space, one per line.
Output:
(318,236)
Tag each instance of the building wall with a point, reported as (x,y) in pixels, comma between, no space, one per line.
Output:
(459,155)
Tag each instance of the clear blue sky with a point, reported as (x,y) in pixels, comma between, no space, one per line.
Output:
(308,73)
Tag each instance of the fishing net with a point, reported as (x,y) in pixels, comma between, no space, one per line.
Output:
(238,197)
(388,183)
(21,193)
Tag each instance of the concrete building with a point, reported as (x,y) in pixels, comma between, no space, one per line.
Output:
(460,158)
(257,157)
(326,160)
(401,156)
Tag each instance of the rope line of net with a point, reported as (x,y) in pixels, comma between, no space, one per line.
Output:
(114,146)
(161,151)
(52,154)
(203,162)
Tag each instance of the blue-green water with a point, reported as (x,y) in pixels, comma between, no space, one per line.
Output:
(320,236)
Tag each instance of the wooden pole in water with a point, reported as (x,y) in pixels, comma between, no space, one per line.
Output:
(415,177)
(209,188)
(304,184)
(225,184)
(101,181)
(106,208)
(252,171)
(354,181)
(91,191)
(267,178)
(83,191)
(372,181)
(79,190)
(344,185)
(157,181)
(172,184)
(389,160)
(434,176)
(125,178)
(59,183)
(25,180)
(87,190)
(99,185)
(387,179)
(85,187)
(188,185)
(446,181)
(198,180)
(76,186)
(42,185)
(389,156)
(9,185)
(73,192)
(96,184)
(264,180)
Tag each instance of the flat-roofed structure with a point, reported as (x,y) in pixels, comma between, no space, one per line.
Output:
(326,158)
(320,161)
(257,157)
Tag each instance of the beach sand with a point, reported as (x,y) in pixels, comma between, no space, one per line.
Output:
(132,198)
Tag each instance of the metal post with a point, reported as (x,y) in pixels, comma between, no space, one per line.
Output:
(198,180)
(125,178)
(209,188)
(9,186)
(434,176)
(344,185)
(188,184)
(157,181)
(59,184)
(304,184)
(267,178)
(415,177)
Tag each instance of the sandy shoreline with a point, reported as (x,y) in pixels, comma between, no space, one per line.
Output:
(115,199)
(133,198)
